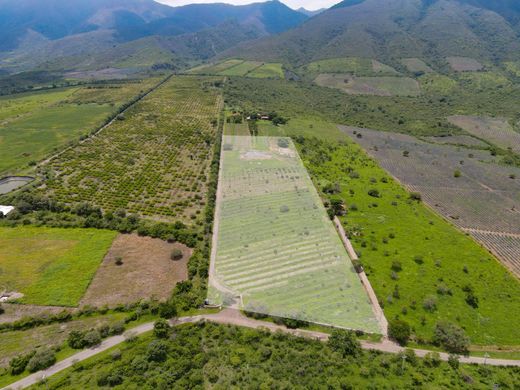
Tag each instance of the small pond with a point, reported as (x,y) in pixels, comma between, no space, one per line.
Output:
(10,183)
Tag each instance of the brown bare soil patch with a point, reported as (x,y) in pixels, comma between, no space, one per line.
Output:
(464,64)
(146,271)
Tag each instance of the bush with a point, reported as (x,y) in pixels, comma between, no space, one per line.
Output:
(19,363)
(432,359)
(176,254)
(76,339)
(344,342)
(399,331)
(374,193)
(92,338)
(430,303)
(451,337)
(41,360)
(157,351)
(416,196)
(167,309)
(117,328)
(161,329)
(2,310)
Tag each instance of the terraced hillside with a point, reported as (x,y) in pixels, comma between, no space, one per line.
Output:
(466,187)
(154,161)
(276,250)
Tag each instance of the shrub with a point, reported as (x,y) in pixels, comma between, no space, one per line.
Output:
(117,328)
(41,360)
(453,361)
(92,338)
(344,342)
(19,363)
(167,309)
(76,339)
(2,310)
(432,359)
(119,260)
(451,337)
(161,329)
(374,193)
(399,331)
(457,173)
(416,196)
(176,254)
(157,351)
(430,303)
(396,266)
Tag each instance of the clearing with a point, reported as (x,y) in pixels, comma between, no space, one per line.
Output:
(498,131)
(51,266)
(416,65)
(146,271)
(355,65)
(153,162)
(276,251)
(464,64)
(379,86)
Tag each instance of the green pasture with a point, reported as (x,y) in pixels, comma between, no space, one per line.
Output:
(33,137)
(271,70)
(51,266)
(276,247)
(241,69)
(436,260)
(416,65)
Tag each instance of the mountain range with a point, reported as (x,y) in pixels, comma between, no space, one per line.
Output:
(386,29)
(94,34)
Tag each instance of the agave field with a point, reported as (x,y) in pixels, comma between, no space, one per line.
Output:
(495,130)
(153,161)
(276,250)
(466,186)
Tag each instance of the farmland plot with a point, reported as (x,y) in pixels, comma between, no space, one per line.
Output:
(275,250)
(153,162)
(464,64)
(483,200)
(495,130)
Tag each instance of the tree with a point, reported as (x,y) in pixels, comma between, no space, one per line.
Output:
(76,339)
(19,363)
(451,337)
(91,338)
(41,360)
(399,331)
(167,309)
(344,342)
(374,193)
(157,351)
(161,328)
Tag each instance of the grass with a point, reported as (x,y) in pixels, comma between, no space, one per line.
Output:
(154,162)
(36,124)
(51,266)
(415,65)
(431,252)
(276,246)
(464,64)
(272,70)
(241,69)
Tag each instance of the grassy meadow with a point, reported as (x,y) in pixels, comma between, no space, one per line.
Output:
(51,266)
(36,124)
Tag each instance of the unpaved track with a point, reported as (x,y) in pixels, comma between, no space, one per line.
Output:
(234,317)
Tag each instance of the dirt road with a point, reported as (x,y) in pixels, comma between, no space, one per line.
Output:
(233,317)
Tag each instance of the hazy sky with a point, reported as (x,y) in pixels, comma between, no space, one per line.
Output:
(308,4)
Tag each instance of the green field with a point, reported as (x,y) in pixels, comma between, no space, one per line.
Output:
(51,266)
(416,65)
(242,68)
(354,65)
(36,124)
(277,251)
(273,70)
(437,261)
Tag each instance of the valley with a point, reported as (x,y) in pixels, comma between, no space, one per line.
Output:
(252,196)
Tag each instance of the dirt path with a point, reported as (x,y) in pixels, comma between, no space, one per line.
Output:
(234,317)
(378,312)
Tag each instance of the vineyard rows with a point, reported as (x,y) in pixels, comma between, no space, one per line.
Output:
(154,161)
(504,246)
(276,247)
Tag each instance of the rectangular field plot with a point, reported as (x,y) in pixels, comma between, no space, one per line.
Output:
(275,250)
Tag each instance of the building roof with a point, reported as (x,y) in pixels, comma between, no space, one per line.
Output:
(6,209)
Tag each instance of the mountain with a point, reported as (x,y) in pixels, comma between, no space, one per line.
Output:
(386,29)
(64,31)
(310,13)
